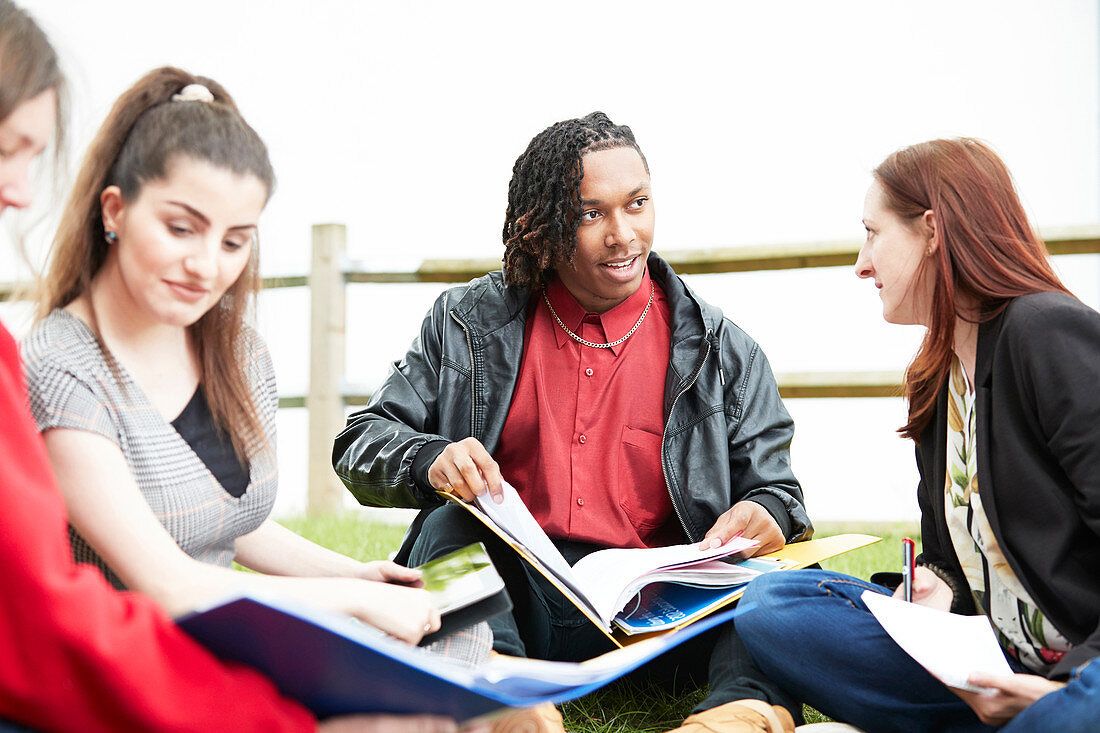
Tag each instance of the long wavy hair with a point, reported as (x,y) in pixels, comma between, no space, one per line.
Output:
(144,133)
(986,250)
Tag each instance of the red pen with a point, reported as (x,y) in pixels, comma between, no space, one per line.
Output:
(908,552)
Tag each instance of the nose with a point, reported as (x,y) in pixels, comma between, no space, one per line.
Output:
(15,187)
(202,262)
(863,262)
(620,232)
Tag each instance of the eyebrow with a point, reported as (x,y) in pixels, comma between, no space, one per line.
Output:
(202,217)
(24,140)
(597,202)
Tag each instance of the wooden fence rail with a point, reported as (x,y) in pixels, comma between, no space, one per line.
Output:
(329,277)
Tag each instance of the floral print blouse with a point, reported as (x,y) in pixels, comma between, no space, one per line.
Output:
(1022,630)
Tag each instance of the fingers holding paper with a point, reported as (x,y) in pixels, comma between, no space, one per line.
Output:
(750,520)
(1010,695)
(466,469)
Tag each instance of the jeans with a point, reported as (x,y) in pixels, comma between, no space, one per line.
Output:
(544,624)
(811,633)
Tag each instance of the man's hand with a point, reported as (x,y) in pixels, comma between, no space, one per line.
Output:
(466,469)
(750,520)
(1012,694)
(928,590)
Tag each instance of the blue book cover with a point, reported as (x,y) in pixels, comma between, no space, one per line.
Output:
(335,665)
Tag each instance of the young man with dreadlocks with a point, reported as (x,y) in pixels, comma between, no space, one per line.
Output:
(625,411)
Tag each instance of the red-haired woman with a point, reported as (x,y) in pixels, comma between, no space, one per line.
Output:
(1004,400)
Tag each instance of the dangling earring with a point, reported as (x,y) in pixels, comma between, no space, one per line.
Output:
(111,237)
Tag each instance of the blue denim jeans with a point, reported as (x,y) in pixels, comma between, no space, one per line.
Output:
(811,633)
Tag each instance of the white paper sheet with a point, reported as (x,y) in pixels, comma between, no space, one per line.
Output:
(950,646)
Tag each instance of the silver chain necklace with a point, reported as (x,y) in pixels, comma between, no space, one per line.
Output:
(608,345)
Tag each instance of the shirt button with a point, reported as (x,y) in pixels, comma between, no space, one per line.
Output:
(580,502)
(583,439)
(588,372)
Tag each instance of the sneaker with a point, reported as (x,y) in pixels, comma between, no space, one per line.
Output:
(743,716)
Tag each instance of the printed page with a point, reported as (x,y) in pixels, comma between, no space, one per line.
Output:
(948,645)
(514,518)
(610,578)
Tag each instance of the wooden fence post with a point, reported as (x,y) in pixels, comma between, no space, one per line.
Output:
(325,400)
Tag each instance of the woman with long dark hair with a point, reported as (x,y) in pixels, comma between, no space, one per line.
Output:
(1004,401)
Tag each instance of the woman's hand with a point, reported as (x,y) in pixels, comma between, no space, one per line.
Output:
(1012,693)
(404,612)
(929,590)
(384,571)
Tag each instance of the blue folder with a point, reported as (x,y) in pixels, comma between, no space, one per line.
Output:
(335,665)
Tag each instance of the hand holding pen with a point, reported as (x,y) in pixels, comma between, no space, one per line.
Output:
(919,584)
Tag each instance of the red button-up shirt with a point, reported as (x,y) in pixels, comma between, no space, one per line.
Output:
(582,441)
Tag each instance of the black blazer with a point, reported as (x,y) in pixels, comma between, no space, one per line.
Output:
(1037,390)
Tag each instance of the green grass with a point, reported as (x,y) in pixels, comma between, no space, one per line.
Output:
(626,707)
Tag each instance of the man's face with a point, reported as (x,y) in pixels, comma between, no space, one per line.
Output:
(615,232)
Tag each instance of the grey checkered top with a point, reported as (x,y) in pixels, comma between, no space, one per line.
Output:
(71,386)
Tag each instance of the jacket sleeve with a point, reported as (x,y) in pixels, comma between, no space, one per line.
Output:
(760,432)
(77,655)
(1056,351)
(377,454)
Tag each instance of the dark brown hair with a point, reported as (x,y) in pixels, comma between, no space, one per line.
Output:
(144,133)
(986,249)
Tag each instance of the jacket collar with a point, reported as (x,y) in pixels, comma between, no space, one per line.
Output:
(487,304)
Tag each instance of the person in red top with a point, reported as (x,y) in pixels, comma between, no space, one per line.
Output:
(76,655)
(626,412)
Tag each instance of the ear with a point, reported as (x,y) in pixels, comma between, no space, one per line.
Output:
(928,223)
(111,206)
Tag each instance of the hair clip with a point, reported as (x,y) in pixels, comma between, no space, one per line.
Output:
(193,93)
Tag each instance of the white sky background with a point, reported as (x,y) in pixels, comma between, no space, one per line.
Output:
(760,121)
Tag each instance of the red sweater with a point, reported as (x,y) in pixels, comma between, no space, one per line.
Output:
(74,653)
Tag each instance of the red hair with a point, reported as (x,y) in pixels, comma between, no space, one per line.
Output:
(986,250)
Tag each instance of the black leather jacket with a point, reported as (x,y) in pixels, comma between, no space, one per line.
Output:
(727,434)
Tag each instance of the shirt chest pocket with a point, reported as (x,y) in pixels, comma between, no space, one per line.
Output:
(640,481)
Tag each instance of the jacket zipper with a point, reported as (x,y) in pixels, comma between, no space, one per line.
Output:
(473,395)
(664,468)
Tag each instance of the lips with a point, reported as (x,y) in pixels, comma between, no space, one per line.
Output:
(187,292)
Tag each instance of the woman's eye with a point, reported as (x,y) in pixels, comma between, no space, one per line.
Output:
(639,203)
(179,231)
(590,215)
